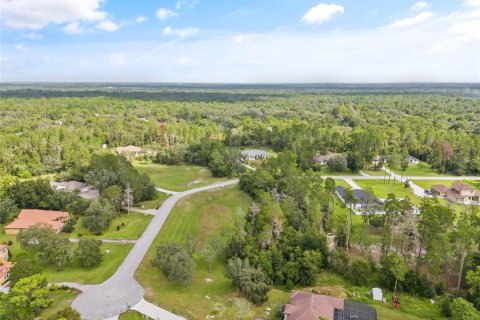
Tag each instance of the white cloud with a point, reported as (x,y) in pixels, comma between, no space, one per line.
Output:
(181,32)
(74,28)
(409,22)
(84,62)
(3,60)
(322,13)
(21,47)
(32,36)
(241,38)
(184,3)
(118,59)
(141,19)
(186,61)
(108,25)
(472,3)
(37,14)
(164,14)
(420,6)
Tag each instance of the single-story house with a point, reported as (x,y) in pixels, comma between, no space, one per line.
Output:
(3,253)
(412,160)
(32,217)
(254,154)
(130,151)
(458,193)
(85,191)
(4,271)
(362,197)
(309,306)
(323,159)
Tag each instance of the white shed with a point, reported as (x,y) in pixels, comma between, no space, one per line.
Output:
(377,294)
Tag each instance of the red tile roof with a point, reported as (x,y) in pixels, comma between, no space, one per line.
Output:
(308,306)
(30,217)
(5,268)
(462,186)
(440,188)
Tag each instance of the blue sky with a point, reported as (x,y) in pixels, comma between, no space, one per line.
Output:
(240,41)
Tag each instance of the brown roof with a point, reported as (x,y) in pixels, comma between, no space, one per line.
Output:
(5,268)
(326,157)
(128,149)
(440,188)
(462,186)
(30,217)
(309,306)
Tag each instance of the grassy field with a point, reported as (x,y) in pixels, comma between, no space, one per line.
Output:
(381,189)
(427,184)
(342,183)
(379,173)
(61,299)
(422,169)
(176,177)
(73,272)
(132,228)
(156,202)
(204,216)
(326,172)
(132,315)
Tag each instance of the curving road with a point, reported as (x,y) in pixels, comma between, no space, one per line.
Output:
(121,290)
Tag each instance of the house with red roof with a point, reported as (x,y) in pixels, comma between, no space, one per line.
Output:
(34,217)
(310,306)
(5,265)
(458,193)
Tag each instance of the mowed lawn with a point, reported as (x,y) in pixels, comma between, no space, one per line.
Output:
(132,228)
(422,169)
(381,189)
(156,202)
(62,298)
(427,184)
(132,315)
(176,177)
(204,216)
(325,171)
(73,272)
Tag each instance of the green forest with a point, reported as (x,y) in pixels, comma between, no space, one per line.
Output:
(296,228)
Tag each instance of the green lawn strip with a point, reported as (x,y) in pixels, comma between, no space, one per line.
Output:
(379,173)
(133,227)
(176,177)
(156,202)
(381,189)
(73,272)
(204,216)
(132,315)
(61,298)
(326,172)
(5,238)
(342,183)
(473,183)
(422,169)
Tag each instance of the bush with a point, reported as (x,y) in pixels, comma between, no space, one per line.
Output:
(339,261)
(337,164)
(440,288)
(376,220)
(361,272)
(446,306)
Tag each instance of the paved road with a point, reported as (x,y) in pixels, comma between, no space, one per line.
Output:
(155,312)
(352,184)
(121,290)
(410,178)
(165,191)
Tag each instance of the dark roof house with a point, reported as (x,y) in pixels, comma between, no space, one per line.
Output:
(309,306)
(361,195)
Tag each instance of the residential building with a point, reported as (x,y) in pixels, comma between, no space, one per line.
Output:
(254,154)
(323,159)
(85,191)
(130,151)
(4,271)
(458,193)
(3,253)
(363,198)
(309,306)
(412,160)
(33,217)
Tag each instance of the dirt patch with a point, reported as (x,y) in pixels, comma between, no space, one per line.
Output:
(334,291)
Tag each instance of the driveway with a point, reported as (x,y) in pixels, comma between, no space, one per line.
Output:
(121,291)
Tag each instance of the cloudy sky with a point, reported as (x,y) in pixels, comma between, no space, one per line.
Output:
(240,41)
